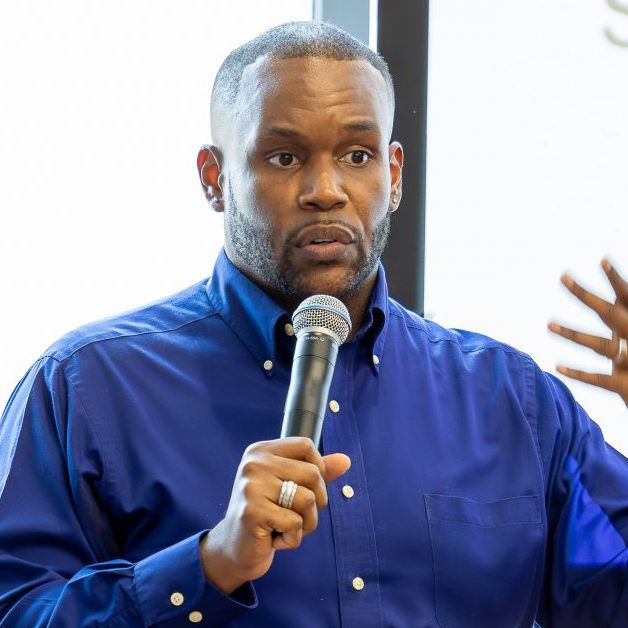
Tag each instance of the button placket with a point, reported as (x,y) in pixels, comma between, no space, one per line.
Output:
(352,520)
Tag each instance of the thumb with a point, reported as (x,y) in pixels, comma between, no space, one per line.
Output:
(335,466)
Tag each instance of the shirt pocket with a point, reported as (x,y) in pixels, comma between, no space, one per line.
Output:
(487,560)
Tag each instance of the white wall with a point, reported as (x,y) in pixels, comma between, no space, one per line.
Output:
(103,106)
(527,174)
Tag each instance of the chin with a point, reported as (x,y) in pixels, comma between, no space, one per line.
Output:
(336,282)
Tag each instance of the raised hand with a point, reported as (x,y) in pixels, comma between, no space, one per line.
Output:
(615,316)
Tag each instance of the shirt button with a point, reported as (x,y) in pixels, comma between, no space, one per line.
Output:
(176,599)
(348,491)
(289,329)
(334,406)
(375,359)
(268,365)
(358,583)
(195,617)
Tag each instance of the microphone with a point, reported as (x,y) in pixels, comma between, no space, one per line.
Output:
(321,324)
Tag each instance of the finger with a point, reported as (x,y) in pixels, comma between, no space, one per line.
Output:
(614,315)
(620,286)
(293,447)
(305,505)
(285,526)
(335,466)
(287,540)
(603,346)
(608,382)
(304,474)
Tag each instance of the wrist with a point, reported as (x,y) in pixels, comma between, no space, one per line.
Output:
(217,569)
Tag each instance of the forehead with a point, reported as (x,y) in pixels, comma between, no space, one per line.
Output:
(311,88)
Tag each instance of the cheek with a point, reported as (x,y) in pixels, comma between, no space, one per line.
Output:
(273,204)
(373,201)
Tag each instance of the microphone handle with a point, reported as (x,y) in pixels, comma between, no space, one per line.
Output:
(312,371)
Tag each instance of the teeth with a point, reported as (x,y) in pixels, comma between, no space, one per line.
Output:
(322,241)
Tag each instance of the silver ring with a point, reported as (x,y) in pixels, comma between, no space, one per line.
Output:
(287,493)
(622,352)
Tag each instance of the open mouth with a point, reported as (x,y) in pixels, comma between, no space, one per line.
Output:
(324,243)
(324,235)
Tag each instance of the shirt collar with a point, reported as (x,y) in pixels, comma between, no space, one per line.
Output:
(257,319)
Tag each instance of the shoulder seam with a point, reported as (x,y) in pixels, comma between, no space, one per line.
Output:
(55,355)
(493,344)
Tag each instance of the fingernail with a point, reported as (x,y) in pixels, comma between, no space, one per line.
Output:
(606,265)
(567,280)
(553,326)
(561,369)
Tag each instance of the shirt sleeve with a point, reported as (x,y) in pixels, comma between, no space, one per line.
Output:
(586,581)
(60,562)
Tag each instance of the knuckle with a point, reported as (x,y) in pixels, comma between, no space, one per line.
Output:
(309,499)
(254,448)
(295,521)
(251,467)
(306,444)
(312,474)
(292,540)
(248,489)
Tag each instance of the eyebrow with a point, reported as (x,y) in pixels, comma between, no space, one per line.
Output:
(365,125)
(362,125)
(280,131)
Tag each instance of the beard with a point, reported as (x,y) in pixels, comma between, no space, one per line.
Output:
(250,242)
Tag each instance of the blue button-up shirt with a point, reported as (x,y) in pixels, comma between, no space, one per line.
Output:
(480,494)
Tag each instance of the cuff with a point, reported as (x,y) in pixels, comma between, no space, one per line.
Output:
(171,585)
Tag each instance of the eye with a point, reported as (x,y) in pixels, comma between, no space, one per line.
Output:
(284,160)
(356,158)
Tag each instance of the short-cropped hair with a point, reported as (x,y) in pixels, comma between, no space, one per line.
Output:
(295,40)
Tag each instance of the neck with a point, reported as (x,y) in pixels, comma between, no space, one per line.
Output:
(356,303)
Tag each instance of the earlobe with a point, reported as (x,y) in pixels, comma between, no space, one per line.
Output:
(394,201)
(209,170)
(395,158)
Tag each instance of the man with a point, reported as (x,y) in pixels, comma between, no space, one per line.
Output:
(474,491)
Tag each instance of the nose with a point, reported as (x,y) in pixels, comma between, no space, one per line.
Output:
(321,187)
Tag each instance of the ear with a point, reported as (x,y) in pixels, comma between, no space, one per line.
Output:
(395,160)
(209,171)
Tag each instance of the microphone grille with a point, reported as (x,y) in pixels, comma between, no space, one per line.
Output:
(321,310)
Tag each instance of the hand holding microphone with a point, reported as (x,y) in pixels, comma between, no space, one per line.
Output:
(280,485)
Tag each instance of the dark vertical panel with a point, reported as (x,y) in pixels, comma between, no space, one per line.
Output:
(402,39)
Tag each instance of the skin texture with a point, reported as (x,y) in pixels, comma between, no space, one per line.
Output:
(615,316)
(304,156)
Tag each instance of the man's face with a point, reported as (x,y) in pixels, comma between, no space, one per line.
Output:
(307,176)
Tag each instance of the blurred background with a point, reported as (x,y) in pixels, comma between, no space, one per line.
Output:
(103,106)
